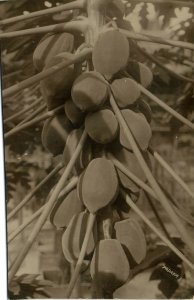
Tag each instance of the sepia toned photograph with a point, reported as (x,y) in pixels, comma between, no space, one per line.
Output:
(98,140)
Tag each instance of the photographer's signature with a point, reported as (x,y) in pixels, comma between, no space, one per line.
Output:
(168,270)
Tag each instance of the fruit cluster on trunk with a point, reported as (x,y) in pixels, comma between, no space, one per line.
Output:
(84,89)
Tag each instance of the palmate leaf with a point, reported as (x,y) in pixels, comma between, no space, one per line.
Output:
(167,11)
(143,14)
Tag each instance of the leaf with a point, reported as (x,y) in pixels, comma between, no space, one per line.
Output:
(168,287)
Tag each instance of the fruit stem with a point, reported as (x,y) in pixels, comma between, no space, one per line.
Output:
(34,121)
(160,222)
(156,39)
(96,10)
(166,107)
(33,114)
(73,280)
(72,184)
(48,207)
(79,57)
(104,223)
(34,191)
(157,232)
(161,196)
(21,112)
(146,188)
(79,4)
(162,66)
(176,177)
(72,26)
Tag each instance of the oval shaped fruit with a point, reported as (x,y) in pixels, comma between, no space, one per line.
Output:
(129,160)
(125,91)
(73,237)
(110,53)
(130,235)
(55,132)
(140,72)
(145,109)
(65,208)
(74,114)
(99,185)
(51,45)
(89,91)
(139,127)
(56,89)
(109,266)
(102,126)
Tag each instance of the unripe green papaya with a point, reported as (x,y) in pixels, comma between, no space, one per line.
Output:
(111,53)
(89,91)
(99,185)
(125,91)
(51,45)
(140,72)
(57,88)
(73,237)
(129,160)
(109,266)
(74,114)
(130,235)
(102,126)
(145,109)
(65,208)
(55,132)
(139,127)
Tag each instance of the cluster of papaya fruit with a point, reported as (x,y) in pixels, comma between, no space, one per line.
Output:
(86,99)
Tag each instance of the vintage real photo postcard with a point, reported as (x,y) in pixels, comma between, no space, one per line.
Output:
(98,142)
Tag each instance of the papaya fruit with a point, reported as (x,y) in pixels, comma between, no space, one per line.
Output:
(99,185)
(130,234)
(65,208)
(145,109)
(139,127)
(89,91)
(55,132)
(129,160)
(56,89)
(111,53)
(109,266)
(125,91)
(140,72)
(74,114)
(102,126)
(73,237)
(51,45)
